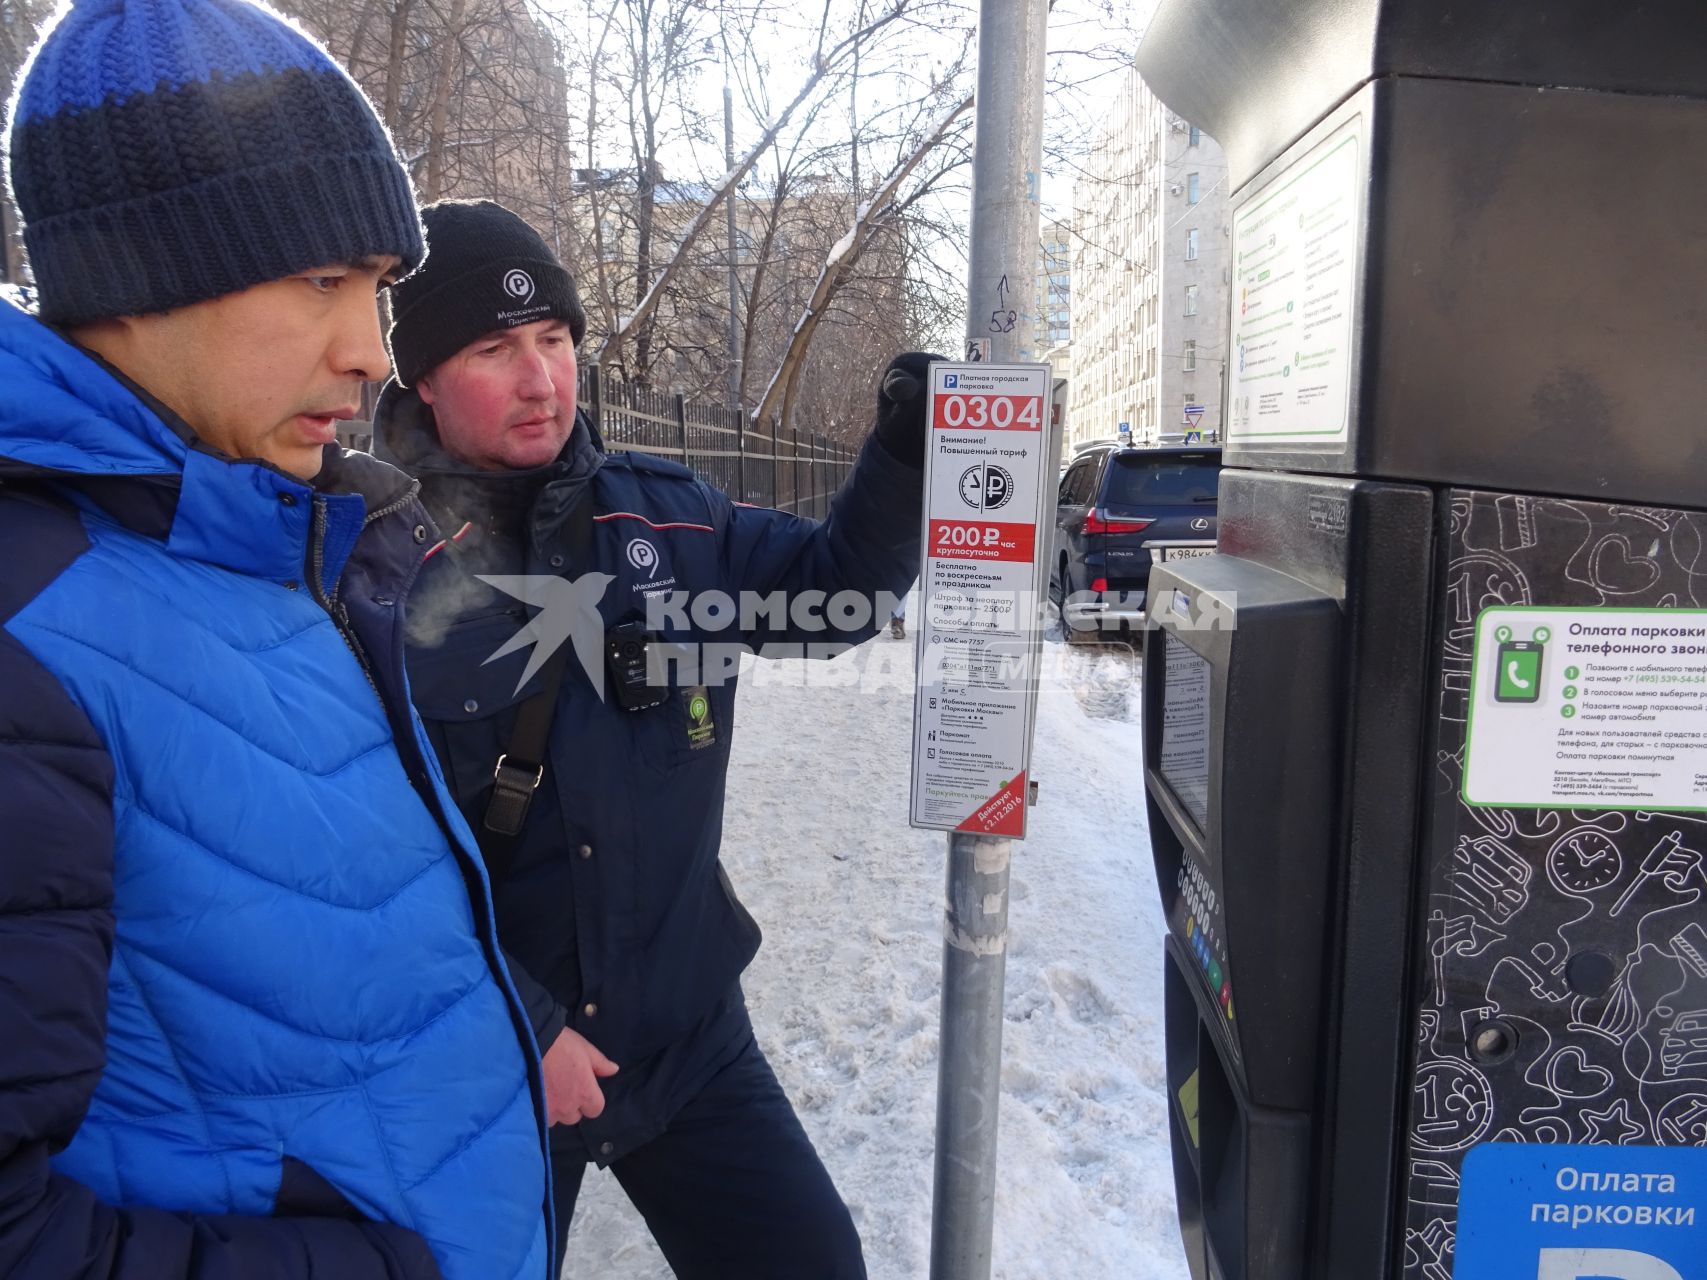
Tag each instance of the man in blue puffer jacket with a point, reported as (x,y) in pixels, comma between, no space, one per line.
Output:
(255,1020)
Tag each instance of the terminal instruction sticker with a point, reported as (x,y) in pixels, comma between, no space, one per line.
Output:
(1546,1211)
(1588,709)
(986,495)
(1296,252)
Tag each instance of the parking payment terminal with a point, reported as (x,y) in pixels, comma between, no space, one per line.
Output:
(1242,1063)
(1426,739)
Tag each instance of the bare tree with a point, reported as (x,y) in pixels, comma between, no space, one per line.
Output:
(602,260)
(583,116)
(394,69)
(439,115)
(473,91)
(20,23)
(871,216)
(650,290)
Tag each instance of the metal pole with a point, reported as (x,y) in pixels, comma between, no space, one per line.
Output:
(11,263)
(817,474)
(1007,164)
(596,409)
(812,472)
(799,489)
(975,940)
(741,456)
(812,476)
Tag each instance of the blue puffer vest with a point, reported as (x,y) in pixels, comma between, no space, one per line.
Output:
(304,971)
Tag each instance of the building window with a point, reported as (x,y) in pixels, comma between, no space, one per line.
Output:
(1191,299)
(1191,245)
(1190,365)
(1192,195)
(1196,135)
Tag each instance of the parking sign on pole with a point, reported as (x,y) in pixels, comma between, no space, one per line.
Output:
(986,538)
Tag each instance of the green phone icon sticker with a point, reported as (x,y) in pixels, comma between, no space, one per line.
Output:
(1519,671)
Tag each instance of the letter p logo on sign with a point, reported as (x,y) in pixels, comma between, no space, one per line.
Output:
(1604,1264)
(1555,1212)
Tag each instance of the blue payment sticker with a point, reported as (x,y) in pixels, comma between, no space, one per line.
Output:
(1543,1212)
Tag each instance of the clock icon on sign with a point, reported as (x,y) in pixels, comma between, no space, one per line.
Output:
(1584,861)
(986,486)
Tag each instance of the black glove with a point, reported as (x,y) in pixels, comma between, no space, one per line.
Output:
(901,401)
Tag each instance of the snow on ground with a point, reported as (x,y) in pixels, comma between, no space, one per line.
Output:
(845,991)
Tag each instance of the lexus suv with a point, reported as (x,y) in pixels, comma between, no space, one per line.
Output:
(1121,510)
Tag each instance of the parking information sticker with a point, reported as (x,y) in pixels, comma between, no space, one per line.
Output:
(1542,1211)
(1297,247)
(985,528)
(1588,708)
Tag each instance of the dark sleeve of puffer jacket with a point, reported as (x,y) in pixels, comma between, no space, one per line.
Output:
(56,937)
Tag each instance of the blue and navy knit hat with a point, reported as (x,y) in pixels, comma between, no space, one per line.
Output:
(163,152)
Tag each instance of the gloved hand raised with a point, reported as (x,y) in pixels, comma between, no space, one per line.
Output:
(901,400)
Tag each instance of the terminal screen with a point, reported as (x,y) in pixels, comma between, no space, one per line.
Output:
(1185,729)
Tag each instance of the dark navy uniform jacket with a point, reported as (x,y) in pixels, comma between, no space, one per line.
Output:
(613,909)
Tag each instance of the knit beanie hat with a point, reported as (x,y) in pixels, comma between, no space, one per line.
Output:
(163,152)
(488,270)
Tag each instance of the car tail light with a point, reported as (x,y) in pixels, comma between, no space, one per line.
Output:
(1097,521)
(1099,584)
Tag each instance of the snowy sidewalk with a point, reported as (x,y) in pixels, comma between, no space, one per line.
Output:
(844,992)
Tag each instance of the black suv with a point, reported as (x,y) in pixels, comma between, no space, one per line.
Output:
(1121,509)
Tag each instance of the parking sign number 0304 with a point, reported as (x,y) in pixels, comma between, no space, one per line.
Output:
(999,412)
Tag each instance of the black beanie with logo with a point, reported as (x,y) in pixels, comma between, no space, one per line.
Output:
(486,270)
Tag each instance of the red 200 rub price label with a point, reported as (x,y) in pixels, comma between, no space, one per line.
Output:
(979,412)
(982,540)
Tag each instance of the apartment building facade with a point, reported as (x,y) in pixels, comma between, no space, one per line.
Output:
(1150,275)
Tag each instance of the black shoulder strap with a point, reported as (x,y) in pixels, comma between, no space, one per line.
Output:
(521,768)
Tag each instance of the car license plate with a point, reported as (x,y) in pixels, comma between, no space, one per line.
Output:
(1185,553)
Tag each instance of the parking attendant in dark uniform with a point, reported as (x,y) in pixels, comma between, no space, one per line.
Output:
(622,930)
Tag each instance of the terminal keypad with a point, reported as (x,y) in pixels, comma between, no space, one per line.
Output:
(1203,927)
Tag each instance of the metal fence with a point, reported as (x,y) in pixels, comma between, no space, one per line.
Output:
(789,470)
